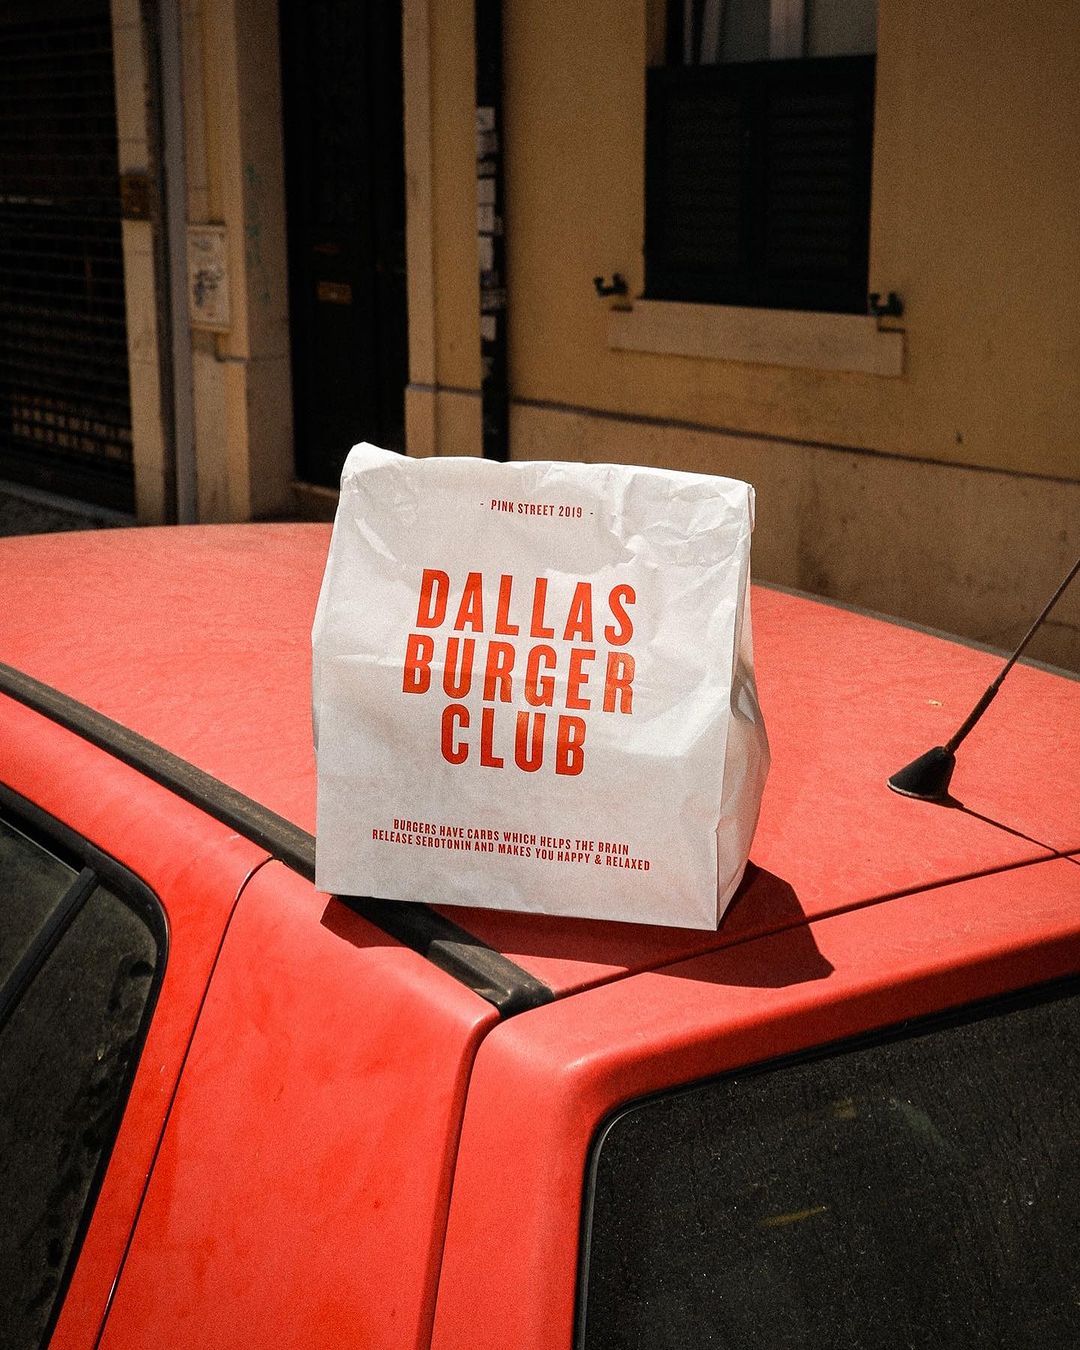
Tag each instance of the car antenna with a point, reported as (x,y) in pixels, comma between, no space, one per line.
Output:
(927,777)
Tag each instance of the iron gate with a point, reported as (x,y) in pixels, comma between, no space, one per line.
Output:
(65,415)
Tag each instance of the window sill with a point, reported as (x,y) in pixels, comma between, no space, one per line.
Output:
(765,337)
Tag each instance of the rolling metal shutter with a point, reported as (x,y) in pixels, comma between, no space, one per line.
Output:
(65,416)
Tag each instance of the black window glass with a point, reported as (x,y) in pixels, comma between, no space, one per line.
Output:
(67,1055)
(32,883)
(923,1191)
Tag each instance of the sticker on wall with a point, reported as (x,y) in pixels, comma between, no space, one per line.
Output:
(208,277)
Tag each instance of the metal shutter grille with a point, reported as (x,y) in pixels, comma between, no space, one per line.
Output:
(65,416)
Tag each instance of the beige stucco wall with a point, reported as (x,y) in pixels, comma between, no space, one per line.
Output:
(235,177)
(975,222)
(969,551)
(442,415)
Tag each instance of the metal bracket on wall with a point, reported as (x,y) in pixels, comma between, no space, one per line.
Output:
(617,285)
(892,307)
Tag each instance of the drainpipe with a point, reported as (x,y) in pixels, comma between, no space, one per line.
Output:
(162,25)
(490,229)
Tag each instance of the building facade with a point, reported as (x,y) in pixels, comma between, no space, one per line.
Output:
(304,268)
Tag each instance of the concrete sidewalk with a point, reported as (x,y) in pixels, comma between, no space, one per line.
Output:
(28,511)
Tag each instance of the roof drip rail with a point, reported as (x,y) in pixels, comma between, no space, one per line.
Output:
(466,958)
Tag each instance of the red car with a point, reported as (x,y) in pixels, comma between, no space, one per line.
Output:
(237,1112)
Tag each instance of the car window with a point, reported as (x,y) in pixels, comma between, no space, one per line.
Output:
(81,975)
(33,883)
(923,1191)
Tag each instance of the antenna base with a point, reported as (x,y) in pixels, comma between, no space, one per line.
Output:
(926,778)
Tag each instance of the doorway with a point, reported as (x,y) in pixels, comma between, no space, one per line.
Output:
(345,202)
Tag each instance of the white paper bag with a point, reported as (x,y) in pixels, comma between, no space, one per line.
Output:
(533,688)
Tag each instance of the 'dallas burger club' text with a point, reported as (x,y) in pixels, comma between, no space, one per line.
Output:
(505,651)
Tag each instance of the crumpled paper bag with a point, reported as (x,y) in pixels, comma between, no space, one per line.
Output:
(533,688)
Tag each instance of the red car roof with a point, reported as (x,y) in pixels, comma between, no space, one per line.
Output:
(198,638)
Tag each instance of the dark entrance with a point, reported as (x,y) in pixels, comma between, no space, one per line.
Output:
(65,415)
(345,191)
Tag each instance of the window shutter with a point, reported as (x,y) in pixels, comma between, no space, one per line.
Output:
(697,172)
(815,138)
(758,183)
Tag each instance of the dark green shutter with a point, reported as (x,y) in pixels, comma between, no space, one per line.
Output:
(758,183)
